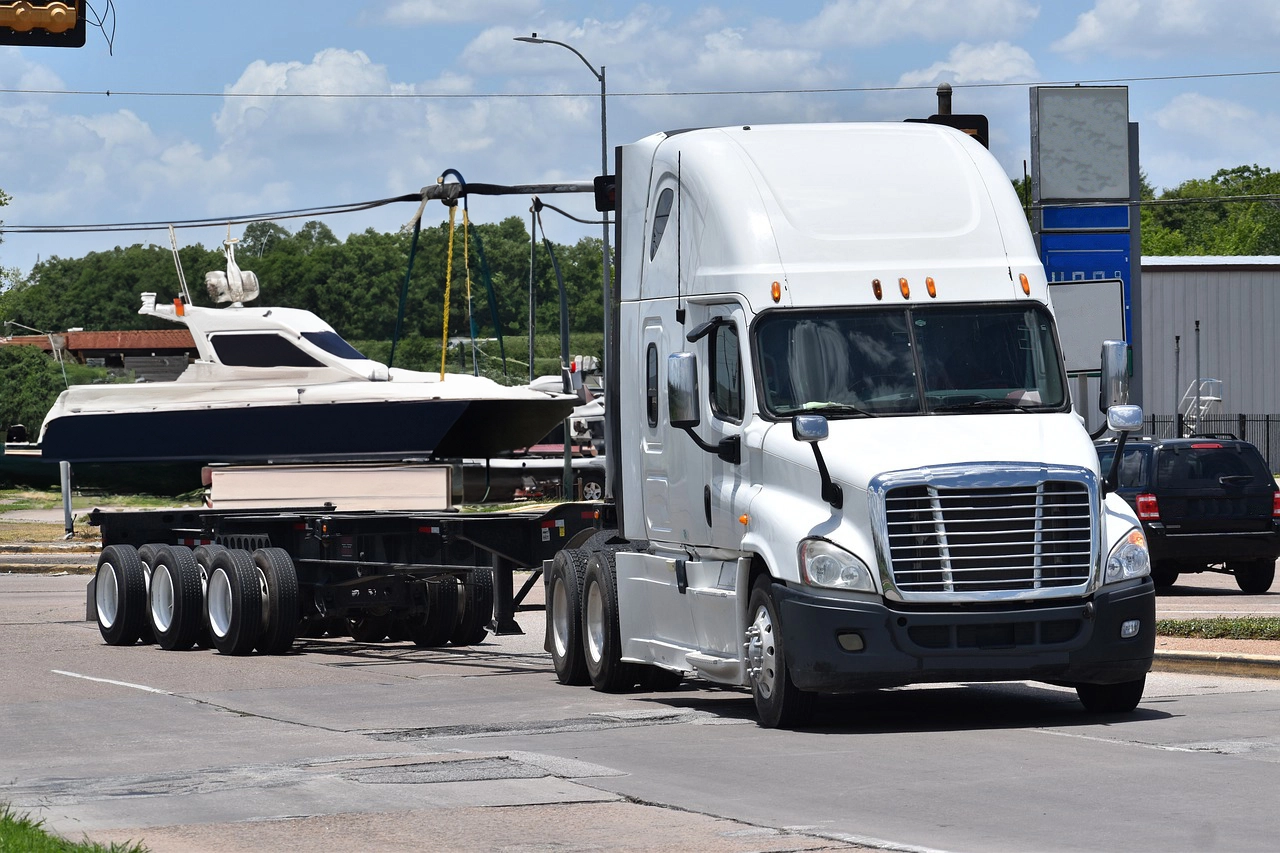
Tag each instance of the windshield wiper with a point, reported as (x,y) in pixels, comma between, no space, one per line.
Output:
(988,404)
(829,408)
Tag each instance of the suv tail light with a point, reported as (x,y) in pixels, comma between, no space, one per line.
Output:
(1149,509)
(1275,504)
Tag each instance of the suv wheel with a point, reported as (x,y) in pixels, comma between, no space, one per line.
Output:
(1164,574)
(1254,576)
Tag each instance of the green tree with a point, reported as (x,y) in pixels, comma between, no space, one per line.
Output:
(31,381)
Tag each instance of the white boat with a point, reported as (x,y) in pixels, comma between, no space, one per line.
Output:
(280,385)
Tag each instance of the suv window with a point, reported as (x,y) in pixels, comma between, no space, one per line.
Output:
(1207,463)
(1135,466)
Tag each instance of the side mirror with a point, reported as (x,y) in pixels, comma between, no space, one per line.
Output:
(810,428)
(1114,386)
(682,390)
(1124,418)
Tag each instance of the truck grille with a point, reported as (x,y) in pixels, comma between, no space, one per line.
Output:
(989,540)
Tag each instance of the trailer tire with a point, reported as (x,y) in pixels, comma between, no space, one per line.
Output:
(280,580)
(234,602)
(1111,698)
(779,703)
(564,616)
(601,636)
(204,562)
(120,595)
(475,609)
(147,554)
(435,627)
(175,603)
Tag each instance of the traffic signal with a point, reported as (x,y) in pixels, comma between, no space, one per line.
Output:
(42,23)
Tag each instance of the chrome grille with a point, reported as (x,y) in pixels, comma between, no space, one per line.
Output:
(1008,539)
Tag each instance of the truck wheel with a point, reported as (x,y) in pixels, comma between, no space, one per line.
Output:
(1111,698)
(437,626)
(601,636)
(280,580)
(147,554)
(564,616)
(475,609)
(120,595)
(779,703)
(204,562)
(234,602)
(1254,576)
(175,602)
(1164,575)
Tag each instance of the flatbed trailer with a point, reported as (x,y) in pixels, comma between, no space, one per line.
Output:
(244,579)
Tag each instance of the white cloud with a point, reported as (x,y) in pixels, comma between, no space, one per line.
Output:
(998,62)
(418,12)
(1158,28)
(1194,135)
(874,22)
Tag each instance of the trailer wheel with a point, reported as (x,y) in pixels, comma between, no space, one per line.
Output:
(475,609)
(601,636)
(234,603)
(120,595)
(1111,698)
(204,563)
(280,579)
(174,599)
(147,554)
(779,703)
(435,628)
(564,615)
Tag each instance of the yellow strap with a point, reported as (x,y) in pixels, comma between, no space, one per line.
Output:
(466,263)
(448,278)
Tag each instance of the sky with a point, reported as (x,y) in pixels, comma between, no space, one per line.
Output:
(215,111)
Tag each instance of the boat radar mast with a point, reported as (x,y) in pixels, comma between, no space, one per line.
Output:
(236,286)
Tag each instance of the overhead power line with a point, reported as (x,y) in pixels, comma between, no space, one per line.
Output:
(829,90)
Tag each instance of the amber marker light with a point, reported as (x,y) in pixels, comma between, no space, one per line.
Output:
(876,289)
(930,286)
(776,291)
(744,519)
(1026,285)
(178,308)
(904,288)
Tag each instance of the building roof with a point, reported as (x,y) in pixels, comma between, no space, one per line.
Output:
(1236,262)
(138,340)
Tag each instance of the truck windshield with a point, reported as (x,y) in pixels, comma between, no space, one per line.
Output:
(952,359)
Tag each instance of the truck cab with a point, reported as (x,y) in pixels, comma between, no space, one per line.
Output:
(846,456)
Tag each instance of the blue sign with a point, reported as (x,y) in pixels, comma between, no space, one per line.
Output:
(1089,256)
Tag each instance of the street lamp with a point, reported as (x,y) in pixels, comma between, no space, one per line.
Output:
(604,170)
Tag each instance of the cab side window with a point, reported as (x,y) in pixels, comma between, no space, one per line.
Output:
(726,373)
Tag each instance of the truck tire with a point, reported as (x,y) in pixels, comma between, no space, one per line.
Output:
(601,636)
(435,628)
(564,616)
(779,703)
(475,609)
(234,603)
(280,580)
(174,600)
(204,563)
(1164,574)
(1111,698)
(1254,576)
(120,595)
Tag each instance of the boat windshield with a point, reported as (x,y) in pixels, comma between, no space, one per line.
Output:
(332,343)
(945,359)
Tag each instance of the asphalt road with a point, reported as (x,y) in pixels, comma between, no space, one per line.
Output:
(393,747)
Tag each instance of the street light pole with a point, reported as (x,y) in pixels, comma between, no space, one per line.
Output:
(604,170)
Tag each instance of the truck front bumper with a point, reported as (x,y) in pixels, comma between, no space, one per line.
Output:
(835,645)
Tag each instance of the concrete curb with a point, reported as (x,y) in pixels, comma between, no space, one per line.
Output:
(1218,663)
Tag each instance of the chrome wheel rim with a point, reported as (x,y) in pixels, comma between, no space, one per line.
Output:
(559,617)
(594,623)
(107,595)
(220,607)
(161,597)
(762,657)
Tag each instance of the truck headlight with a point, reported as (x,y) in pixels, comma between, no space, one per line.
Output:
(1129,559)
(824,564)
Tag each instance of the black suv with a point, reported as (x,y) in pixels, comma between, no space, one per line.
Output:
(1204,502)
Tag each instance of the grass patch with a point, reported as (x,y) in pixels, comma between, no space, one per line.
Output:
(1222,628)
(14,532)
(20,832)
(14,499)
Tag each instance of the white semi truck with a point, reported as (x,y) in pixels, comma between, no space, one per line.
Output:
(840,445)
(843,452)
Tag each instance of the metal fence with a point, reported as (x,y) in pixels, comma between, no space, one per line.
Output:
(1261,430)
